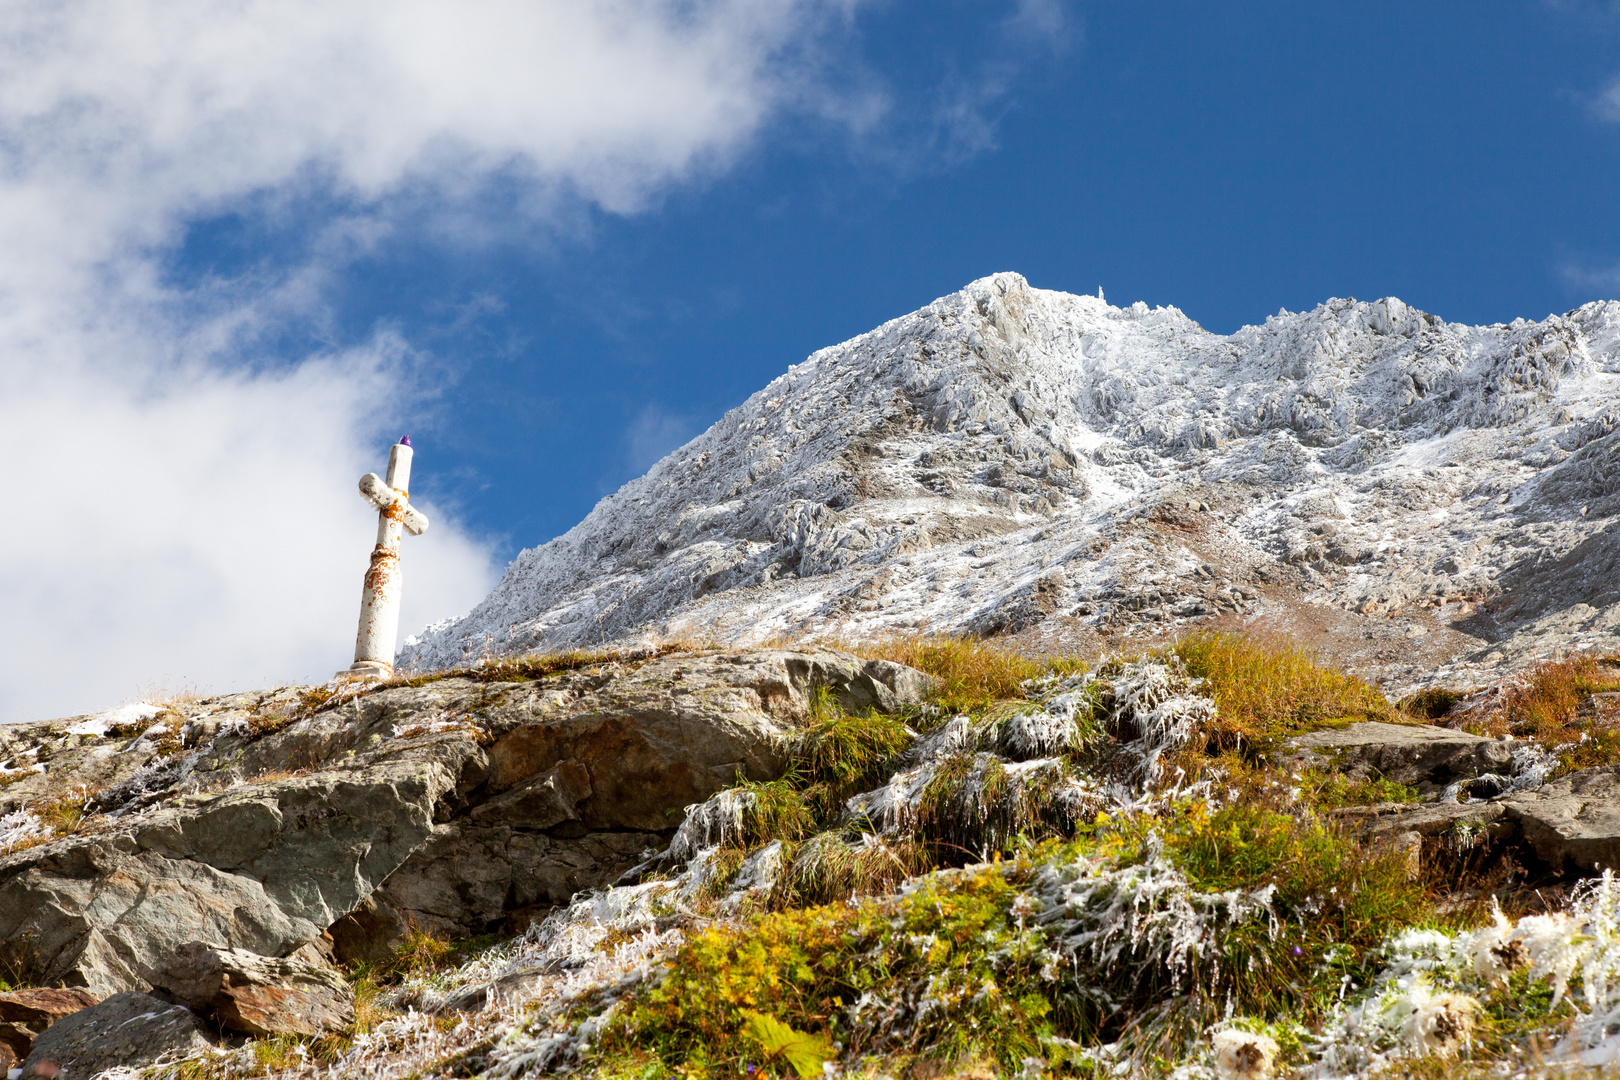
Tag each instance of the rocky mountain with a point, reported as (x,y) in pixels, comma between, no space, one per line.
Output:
(1425,501)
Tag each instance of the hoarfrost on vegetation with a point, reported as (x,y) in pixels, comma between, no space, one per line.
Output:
(19,827)
(1156,708)
(1143,921)
(1532,766)
(1426,998)
(711,822)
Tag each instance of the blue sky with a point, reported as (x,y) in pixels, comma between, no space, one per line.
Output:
(252,243)
(1228,159)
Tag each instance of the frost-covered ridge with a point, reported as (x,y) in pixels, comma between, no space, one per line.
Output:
(1016,460)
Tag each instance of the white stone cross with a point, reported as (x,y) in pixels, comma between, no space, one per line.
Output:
(379,600)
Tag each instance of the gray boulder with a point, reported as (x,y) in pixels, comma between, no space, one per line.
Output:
(1417,754)
(130,1029)
(265,867)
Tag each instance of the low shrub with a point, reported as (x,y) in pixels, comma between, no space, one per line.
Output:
(850,973)
(1549,706)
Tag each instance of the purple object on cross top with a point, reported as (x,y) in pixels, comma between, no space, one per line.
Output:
(404,440)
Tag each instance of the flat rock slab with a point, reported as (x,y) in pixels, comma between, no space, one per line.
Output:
(256,995)
(1416,754)
(1572,823)
(1429,820)
(130,1029)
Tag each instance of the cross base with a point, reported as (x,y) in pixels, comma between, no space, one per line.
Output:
(368,670)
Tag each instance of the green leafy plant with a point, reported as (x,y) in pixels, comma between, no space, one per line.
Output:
(777,1041)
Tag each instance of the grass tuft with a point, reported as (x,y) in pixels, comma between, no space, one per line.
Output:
(1266,688)
(1552,705)
(971,674)
(418,951)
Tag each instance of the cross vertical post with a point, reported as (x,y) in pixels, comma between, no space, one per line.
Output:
(379,599)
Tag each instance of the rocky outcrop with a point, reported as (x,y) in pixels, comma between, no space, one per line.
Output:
(256,995)
(131,1030)
(267,866)
(260,822)
(588,777)
(1572,824)
(1569,826)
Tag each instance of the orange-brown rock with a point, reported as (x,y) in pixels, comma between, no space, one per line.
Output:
(256,995)
(26,1013)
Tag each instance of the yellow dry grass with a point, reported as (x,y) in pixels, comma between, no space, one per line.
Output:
(1267,687)
(971,673)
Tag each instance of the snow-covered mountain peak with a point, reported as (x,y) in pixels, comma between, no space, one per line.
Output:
(1016,460)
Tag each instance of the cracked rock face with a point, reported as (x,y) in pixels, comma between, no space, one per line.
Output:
(1426,501)
(256,995)
(260,822)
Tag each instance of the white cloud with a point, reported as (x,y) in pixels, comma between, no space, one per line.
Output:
(181,504)
(1607,103)
(1600,279)
(653,433)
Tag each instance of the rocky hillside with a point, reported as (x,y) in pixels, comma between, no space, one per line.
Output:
(1422,499)
(938,859)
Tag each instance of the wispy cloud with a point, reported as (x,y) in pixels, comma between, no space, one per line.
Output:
(1604,280)
(182,501)
(654,433)
(1607,104)
(959,116)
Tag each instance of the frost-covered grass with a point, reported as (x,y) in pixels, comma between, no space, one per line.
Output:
(22,828)
(1124,939)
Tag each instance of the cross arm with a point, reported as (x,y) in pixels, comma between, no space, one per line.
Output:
(383,497)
